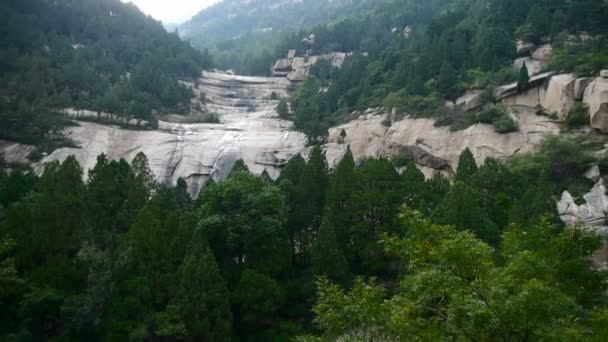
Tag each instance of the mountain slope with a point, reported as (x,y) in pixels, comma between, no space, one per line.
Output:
(102,55)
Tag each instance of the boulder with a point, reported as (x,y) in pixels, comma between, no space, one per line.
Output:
(593,173)
(524,48)
(543,52)
(283,64)
(534,66)
(291,54)
(596,98)
(591,215)
(558,96)
(604,73)
(470,101)
(579,87)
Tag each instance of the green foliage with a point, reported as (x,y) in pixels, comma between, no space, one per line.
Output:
(283,109)
(578,116)
(327,257)
(585,59)
(453,289)
(523,83)
(467,167)
(105,56)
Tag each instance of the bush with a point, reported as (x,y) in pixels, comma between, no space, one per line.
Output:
(505,124)
(498,116)
(586,59)
(578,116)
(414,105)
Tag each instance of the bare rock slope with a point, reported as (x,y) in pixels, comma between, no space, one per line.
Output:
(249,130)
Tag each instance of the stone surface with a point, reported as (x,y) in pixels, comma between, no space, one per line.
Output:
(558,96)
(591,215)
(510,89)
(596,98)
(579,87)
(524,47)
(593,173)
(534,66)
(438,148)
(249,130)
(15,153)
(470,101)
(297,69)
(543,52)
(604,73)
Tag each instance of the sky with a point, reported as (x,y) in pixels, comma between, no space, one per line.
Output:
(172,11)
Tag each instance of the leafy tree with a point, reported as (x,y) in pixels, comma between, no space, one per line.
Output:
(341,200)
(243,219)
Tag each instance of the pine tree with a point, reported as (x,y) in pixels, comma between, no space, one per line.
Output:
(314,186)
(327,257)
(341,201)
(202,298)
(239,166)
(283,109)
(467,167)
(446,81)
(524,78)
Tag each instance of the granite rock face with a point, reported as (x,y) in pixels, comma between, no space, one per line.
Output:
(437,149)
(591,215)
(297,69)
(596,98)
(250,130)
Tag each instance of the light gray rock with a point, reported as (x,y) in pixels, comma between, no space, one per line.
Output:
(558,96)
(524,48)
(534,66)
(15,153)
(596,98)
(593,173)
(604,73)
(439,148)
(199,152)
(591,215)
(579,87)
(470,101)
(543,52)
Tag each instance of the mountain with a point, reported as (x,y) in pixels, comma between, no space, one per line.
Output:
(100,55)
(230,19)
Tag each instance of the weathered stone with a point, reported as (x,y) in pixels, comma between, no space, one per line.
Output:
(199,152)
(439,147)
(511,89)
(543,52)
(15,153)
(604,73)
(291,54)
(524,47)
(591,215)
(593,173)
(596,98)
(558,96)
(470,101)
(534,66)
(579,87)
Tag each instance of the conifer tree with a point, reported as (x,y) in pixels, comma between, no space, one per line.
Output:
(467,167)
(524,78)
(327,257)
(283,109)
(202,298)
(340,199)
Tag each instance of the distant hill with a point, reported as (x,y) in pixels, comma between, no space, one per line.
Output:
(230,19)
(101,55)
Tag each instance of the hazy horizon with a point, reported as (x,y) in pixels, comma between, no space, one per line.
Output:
(172,12)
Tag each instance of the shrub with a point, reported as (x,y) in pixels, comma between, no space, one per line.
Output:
(505,124)
(578,116)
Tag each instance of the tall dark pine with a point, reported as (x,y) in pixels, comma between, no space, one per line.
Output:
(523,83)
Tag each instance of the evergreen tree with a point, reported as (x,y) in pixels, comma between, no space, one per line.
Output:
(283,109)
(314,186)
(414,187)
(524,79)
(327,257)
(447,80)
(467,167)
(239,166)
(202,298)
(341,199)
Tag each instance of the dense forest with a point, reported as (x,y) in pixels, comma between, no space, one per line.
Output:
(99,55)
(375,254)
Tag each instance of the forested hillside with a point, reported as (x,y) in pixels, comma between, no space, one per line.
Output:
(241,35)
(122,258)
(100,55)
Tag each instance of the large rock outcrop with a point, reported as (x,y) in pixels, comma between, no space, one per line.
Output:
(596,98)
(297,69)
(558,96)
(591,215)
(249,130)
(437,149)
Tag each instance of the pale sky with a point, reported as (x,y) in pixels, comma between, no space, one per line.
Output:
(172,11)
